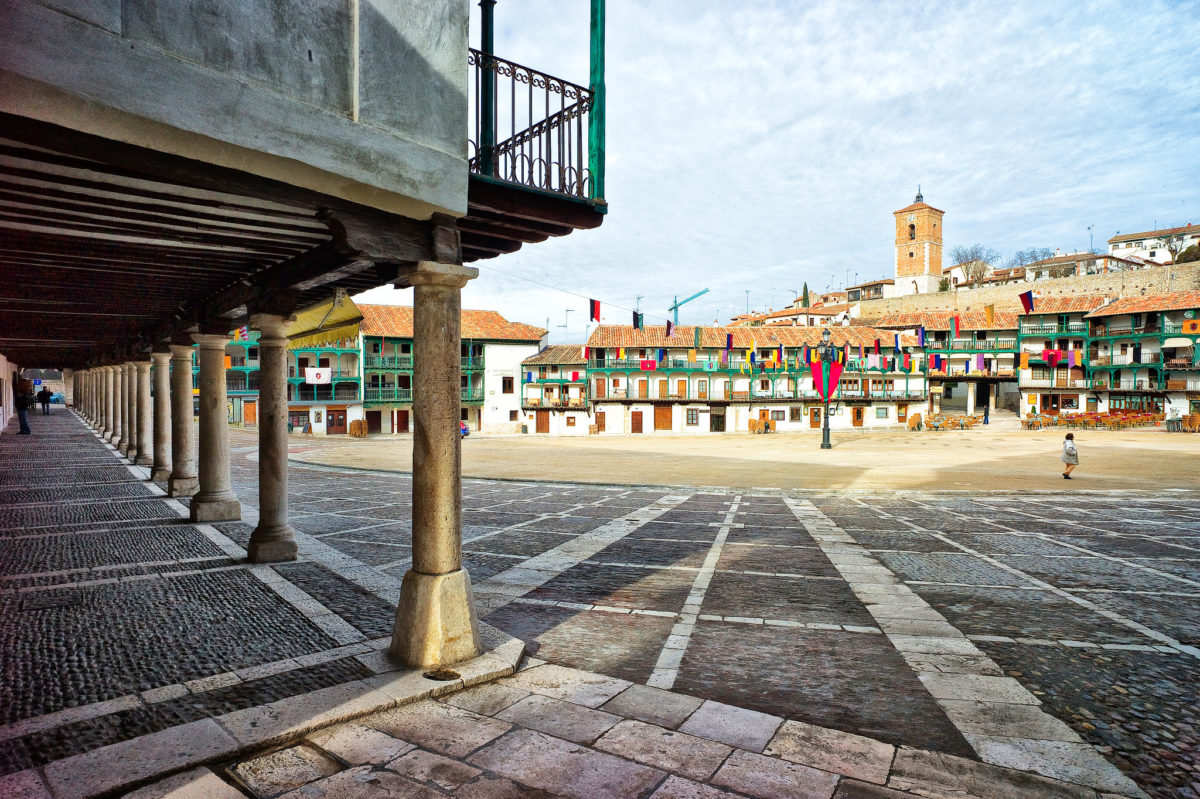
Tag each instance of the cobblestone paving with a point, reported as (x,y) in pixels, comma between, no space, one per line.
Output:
(721,595)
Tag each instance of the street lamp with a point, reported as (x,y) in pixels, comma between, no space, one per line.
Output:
(826,353)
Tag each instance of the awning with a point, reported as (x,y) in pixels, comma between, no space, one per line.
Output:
(336,319)
(1178,341)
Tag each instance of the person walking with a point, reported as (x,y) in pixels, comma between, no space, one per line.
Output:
(24,403)
(1070,455)
(44,397)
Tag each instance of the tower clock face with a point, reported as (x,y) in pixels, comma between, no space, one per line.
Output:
(912,217)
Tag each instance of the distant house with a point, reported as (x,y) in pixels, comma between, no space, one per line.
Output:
(1152,245)
(871,290)
(1077,264)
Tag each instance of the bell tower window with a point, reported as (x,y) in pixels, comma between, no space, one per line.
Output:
(912,232)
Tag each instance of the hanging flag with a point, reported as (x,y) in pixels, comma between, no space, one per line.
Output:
(662,355)
(648,365)
(804,353)
(242,333)
(921,337)
(897,347)
(846,353)
(1027,301)
(587,352)
(1071,358)
(594,310)
(1052,357)
(989,313)
(752,356)
(691,356)
(696,337)
(637,320)
(955,325)
(825,377)
(1024,360)
(780,358)
(728,341)
(979,362)
(907,362)
(620,353)
(861,354)
(574,377)
(876,346)
(322,376)
(670,328)
(529,377)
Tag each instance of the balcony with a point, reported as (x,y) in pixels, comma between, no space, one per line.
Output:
(386,362)
(472,394)
(323,393)
(241,382)
(779,393)
(387,394)
(974,345)
(336,374)
(555,402)
(471,363)
(1082,384)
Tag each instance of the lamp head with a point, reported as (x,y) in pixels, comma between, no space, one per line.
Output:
(825,335)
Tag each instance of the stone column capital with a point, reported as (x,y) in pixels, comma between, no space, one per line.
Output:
(211,341)
(271,325)
(182,352)
(161,358)
(142,366)
(429,273)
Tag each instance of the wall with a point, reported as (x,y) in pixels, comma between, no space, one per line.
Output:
(8,377)
(1148,281)
(364,99)
(501,361)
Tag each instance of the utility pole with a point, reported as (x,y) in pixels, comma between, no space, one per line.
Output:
(1091,248)
(566,321)
(747,302)
(637,303)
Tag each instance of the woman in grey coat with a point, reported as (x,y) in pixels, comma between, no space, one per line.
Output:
(1070,455)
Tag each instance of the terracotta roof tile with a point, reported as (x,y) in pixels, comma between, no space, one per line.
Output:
(1175,301)
(743,337)
(916,206)
(1186,230)
(940,320)
(559,354)
(397,321)
(1079,304)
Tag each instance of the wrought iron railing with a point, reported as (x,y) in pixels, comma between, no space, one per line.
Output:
(529,128)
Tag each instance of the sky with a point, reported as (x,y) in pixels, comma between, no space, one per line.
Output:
(758,146)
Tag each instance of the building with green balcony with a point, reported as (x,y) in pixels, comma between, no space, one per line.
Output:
(489,360)
(1054,355)
(554,392)
(975,366)
(241,378)
(1143,353)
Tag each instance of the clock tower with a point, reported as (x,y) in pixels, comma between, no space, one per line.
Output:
(918,248)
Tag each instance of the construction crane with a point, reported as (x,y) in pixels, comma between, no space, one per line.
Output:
(675,307)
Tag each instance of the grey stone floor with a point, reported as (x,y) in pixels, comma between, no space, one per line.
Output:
(1007,629)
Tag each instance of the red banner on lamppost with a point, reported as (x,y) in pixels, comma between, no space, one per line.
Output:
(825,376)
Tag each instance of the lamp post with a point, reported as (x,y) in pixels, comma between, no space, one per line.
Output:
(826,353)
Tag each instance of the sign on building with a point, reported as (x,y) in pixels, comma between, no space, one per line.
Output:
(318,376)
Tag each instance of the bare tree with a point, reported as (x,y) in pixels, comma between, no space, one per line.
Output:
(976,261)
(1027,257)
(1173,243)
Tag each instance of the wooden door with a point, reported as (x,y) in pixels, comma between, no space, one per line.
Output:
(901,413)
(814,417)
(599,421)
(1050,403)
(662,417)
(663,390)
(716,423)
(857,416)
(335,422)
(543,422)
(401,421)
(635,421)
(764,416)
(374,421)
(702,389)
(249,413)
(681,388)
(601,388)
(643,389)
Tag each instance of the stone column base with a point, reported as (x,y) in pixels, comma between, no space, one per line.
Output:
(215,510)
(182,486)
(143,460)
(435,620)
(272,546)
(160,474)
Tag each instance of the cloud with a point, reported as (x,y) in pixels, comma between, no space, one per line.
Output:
(762,145)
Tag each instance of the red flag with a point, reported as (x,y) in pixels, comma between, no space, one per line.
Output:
(954,325)
(594,310)
(1027,301)
(876,346)
(670,328)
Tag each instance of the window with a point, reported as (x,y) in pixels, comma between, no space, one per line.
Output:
(693,416)
(376,347)
(512,416)
(542,372)
(406,348)
(881,413)
(507,387)
(776,416)
(765,385)
(570,421)
(616,382)
(797,413)
(252,353)
(912,232)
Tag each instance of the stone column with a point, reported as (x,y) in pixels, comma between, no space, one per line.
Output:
(160,470)
(129,445)
(183,481)
(69,391)
(435,618)
(273,539)
(992,396)
(215,501)
(972,388)
(145,422)
(118,405)
(106,373)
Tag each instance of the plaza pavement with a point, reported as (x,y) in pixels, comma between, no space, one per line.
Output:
(696,643)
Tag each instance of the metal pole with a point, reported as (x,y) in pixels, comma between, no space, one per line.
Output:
(597,112)
(487,74)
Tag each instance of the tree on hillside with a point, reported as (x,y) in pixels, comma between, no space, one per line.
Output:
(976,261)
(1190,254)
(804,300)
(1027,257)
(1173,243)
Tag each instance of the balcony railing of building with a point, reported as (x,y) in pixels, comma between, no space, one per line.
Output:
(1185,384)
(387,394)
(472,394)
(323,393)
(1145,384)
(533,129)
(240,382)
(1148,358)
(1126,329)
(996,373)
(1053,329)
(1055,382)
(727,393)
(973,345)
(555,402)
(402,362)
(736,365)
(336,374)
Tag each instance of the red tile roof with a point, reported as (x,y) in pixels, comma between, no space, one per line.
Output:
(558,355)
(916,206)
(940,320)
(1076,257)
(1175,301)
(1186,230)
(1080,304)
(743,337)
(397,321)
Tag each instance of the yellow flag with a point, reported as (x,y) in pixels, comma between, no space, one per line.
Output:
(989,313)
(1024,360)
(691,356)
